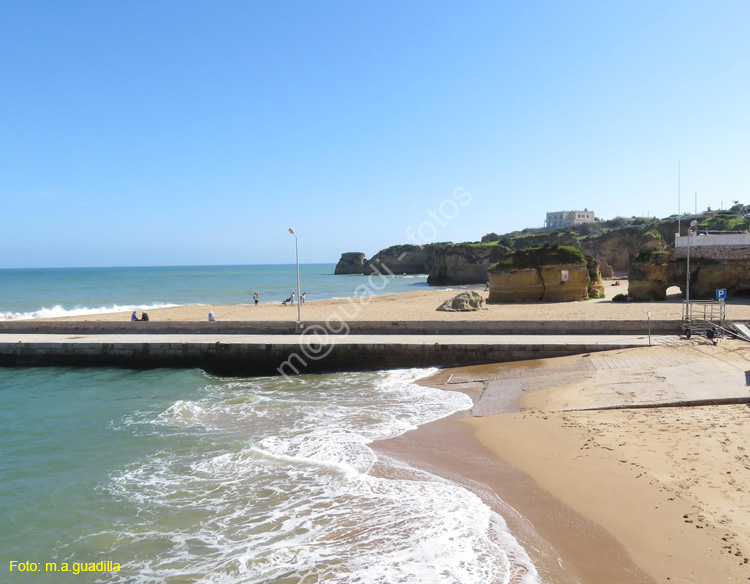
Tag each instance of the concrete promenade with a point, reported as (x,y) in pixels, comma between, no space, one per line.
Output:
(314,351)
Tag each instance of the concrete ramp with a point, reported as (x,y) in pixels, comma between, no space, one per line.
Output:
(742,331)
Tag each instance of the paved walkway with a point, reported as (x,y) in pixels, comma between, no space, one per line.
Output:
(317,337)
(687,373)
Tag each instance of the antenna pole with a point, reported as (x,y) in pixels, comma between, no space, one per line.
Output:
(679,232)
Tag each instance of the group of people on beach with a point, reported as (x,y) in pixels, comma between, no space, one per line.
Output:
(212,317)
(290,300)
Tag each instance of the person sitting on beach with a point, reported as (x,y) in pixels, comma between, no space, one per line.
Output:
(144,316)
(211,317)
(134,316)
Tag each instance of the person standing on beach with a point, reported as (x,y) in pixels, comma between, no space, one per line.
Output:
(302,298)
(256,297)
(291,299)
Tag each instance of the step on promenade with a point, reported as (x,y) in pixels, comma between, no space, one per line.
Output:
(221,348)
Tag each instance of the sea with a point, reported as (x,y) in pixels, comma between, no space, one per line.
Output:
(177,476)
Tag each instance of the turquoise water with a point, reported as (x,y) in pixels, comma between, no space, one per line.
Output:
(51,292)
(179,477)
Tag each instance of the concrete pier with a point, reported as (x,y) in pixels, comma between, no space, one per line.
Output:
(290,354)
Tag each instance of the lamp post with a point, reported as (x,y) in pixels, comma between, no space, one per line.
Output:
(296,254)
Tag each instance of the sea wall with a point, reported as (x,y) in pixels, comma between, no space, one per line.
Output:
(715,252)
(289,358)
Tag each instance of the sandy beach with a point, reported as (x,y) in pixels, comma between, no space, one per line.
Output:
(646,491)
(624,466)
(422,305)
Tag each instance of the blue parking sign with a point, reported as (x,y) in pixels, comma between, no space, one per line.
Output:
(721,293)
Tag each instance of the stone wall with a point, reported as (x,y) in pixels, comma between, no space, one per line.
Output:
(716,252)
(289,358)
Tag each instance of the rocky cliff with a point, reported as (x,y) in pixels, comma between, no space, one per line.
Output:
(617,248)
(403,259)
(351,262)
(648,275)
(465,263)
(613,244)
(552,274)
(656,268)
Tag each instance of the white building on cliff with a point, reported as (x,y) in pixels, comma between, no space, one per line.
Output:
(563,218)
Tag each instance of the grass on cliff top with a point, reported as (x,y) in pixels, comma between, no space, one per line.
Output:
(540,256)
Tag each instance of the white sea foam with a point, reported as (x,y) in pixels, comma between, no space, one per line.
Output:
(278,489)
(58,311)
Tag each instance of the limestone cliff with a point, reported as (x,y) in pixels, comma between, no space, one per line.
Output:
(648,275)
(465,263)
(553,274)
(402,259)
(613,244)
(350,263)
(656,268)
(596,283)
(707,275)
(617,248)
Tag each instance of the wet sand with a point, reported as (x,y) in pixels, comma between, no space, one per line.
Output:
(651,492)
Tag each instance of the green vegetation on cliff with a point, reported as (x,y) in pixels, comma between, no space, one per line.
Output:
(540,256)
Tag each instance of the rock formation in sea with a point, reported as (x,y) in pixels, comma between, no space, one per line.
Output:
(350,263)
(552,274)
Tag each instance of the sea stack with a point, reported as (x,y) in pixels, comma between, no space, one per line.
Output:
(351,262)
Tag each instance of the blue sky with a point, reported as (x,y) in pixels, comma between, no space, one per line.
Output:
(178,133)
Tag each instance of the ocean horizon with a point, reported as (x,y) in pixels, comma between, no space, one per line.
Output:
(28,293)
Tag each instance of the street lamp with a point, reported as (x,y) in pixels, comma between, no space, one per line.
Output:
(296,253)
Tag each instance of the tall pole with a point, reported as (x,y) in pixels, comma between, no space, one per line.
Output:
(687,283)
(693,225)
(296,254)
(678,198)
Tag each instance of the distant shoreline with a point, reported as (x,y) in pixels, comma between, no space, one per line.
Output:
(422,305)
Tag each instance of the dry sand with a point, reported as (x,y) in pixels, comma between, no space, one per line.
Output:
(648,493)
(422,305)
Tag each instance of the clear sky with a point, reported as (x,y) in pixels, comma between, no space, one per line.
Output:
(187,132)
